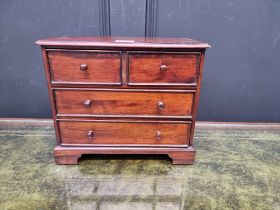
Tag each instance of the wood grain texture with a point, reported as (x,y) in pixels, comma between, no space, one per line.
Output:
(179,68)
(101,66)
(123,42)
(70,155)
(197,95)
(123,103)
(52,101)
(123,133)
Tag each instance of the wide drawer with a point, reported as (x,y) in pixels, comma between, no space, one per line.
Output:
(163,68)
(136,133)
(85,67)
(127,103)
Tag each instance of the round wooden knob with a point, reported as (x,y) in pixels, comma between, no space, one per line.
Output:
(87,103)
(90,134)
(160,105)
(163,68)
(158,135)
(83,67)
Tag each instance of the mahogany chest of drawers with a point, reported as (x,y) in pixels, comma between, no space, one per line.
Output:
(121,95)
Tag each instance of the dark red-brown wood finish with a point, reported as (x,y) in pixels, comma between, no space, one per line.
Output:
(123,95)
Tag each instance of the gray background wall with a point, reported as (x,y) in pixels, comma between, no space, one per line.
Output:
(242,69)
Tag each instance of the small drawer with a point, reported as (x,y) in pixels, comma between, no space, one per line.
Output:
(164,69)
(121,133)
(124,103)
(85,67)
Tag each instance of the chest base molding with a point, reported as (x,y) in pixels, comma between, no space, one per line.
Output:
(70,155)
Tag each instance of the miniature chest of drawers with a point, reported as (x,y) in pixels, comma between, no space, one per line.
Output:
(121,95)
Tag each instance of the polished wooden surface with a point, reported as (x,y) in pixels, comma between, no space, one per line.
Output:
(115,133)
(123,42)
(163,68)
(123,95)
(121,102)
(85,66)
(70,155)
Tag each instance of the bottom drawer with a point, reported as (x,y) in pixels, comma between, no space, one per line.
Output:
(120,133)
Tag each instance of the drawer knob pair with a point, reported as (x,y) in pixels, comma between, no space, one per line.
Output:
(90,134)
(87,103)
(83,67)
(163,68)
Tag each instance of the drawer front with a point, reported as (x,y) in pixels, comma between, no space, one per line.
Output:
(163,68)
(125,103)
(90,133)
(85,67)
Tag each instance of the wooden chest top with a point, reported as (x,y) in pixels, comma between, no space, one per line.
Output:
(120,42)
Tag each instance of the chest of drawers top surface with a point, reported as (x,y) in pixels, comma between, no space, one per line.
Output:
(123,95)
(120,42)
